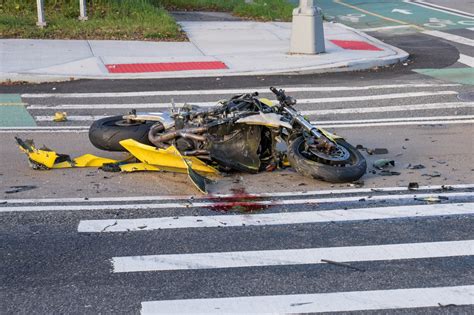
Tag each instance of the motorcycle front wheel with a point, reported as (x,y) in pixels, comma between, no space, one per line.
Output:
(347,164)
(106,133)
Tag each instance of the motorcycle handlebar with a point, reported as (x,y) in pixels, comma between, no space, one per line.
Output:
(280,94)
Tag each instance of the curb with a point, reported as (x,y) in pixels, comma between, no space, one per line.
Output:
(397,55)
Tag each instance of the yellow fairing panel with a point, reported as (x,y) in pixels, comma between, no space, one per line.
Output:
(46,158)
(168,158)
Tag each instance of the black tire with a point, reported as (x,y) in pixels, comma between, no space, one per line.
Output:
(353,170)
(106,133)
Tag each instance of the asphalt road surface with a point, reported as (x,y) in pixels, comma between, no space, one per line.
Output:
(87,241)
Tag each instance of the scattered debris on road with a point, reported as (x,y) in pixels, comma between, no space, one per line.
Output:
(342,264)
(431,175)
(432,199)
(60,117)
(143,158)
(413,186)
(21,188)
(376,151)
(415,167)
(389,173)
(383,164)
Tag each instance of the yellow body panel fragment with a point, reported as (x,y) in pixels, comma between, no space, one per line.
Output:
(138,167)
(46,158)
(86,160)
(168,158)
(266,101)
(89,160)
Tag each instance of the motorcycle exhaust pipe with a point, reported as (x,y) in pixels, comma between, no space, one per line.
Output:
(191,133)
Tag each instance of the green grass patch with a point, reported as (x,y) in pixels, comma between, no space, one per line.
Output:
(262,10)
(108,19)
(123,19)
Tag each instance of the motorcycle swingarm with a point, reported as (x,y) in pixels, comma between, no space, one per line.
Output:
(164,118)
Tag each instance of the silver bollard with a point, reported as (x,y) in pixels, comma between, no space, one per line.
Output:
(40,7)
(83,11)
(307,33)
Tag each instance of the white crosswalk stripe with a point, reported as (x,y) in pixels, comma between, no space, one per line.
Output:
(234,91)
(451,37)
(467,60)
(390,203)
(226,221)
(318,303)
(292,256)
(81,113)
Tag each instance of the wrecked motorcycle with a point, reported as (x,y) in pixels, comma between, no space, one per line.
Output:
(245,133)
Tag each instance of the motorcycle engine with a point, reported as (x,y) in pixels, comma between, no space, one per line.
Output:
(183,144)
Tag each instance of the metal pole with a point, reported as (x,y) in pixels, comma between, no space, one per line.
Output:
(83,11)
(307,32)
(40,6)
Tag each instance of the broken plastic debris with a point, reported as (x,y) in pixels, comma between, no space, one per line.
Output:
(383,164)
(389,173)
(416,167)
(17,189)
(434,174)
(432,199)
(60,117)
(376,151)
(332,262)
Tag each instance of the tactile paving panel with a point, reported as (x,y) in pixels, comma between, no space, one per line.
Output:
(355,45)
(165,66)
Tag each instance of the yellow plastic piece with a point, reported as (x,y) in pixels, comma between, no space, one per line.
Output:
(168,158)
(266,101)
(86,160)
(138,167)
(46,158)
(60,117)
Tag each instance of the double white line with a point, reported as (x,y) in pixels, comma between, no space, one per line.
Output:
(211,204)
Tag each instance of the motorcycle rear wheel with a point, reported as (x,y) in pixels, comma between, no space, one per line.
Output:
(106,133)
(352,169)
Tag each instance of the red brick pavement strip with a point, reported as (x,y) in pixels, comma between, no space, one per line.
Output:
(165,66)
(355,45)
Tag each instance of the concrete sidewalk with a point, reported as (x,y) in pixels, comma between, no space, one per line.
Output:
(215,49)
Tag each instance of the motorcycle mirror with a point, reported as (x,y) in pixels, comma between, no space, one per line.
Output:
(173,106)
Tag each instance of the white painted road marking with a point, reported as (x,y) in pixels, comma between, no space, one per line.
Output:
(328,124)
(375,109)
(437,7)
(402,123)
(287,257)
(209,104)
(206,204)
(318,122)
(467,60)
(256,195)
(402,119)
(451,37)
(382,28)
(317,303)
(301,217)
(233,91)
(384,109)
